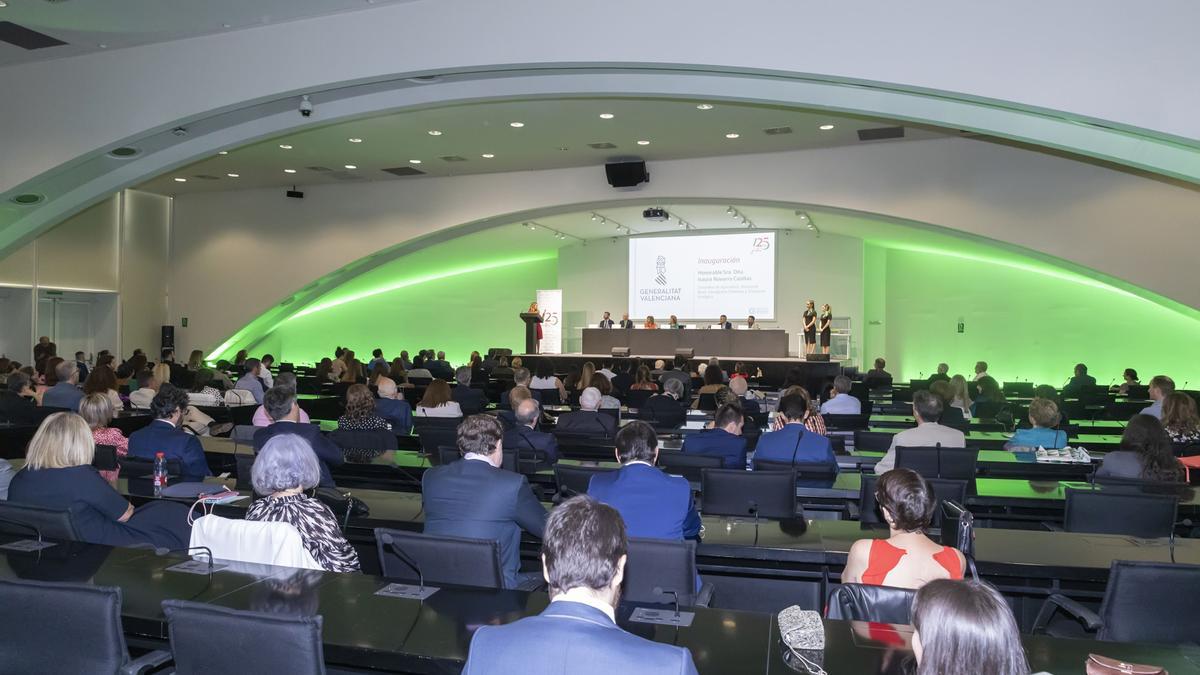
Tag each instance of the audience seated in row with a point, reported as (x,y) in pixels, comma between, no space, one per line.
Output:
(665,410)
(927,409)
(251,380)
(392,407)
(525,436)
(438,401)
(588,421)
(65,393)
(842,402)
(1160,388)
(166,434)
(1078,383)
(97,411)
(791,441)
(546,379)
(470,401)
(360,415)
(1180,419)
(1146,453)
(284,412)
(676,370)
(1043,415)
(723,439)
(18,403)
(521,378)
(877,376)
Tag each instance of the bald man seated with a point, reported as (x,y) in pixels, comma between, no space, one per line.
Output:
(526,439)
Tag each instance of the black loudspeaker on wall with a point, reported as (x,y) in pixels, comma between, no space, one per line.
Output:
(626,174)
(168,337)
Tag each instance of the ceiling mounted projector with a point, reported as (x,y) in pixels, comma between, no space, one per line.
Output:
(656,214)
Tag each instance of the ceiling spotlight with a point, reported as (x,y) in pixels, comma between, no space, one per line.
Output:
(232,175)
(354,140)
(606,116)
(595,217)
(3,3)
(732,135)
(825,127)
(434,132)
(516,125)
(351,166)
(223,152)
(180,180)
(414,161)
(487,155)
(285,146)
(704,106)
(643,142)
(729,210)
(289,171)
(745,220)
(603,220)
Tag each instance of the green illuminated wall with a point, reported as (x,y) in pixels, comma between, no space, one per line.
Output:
(1027,319)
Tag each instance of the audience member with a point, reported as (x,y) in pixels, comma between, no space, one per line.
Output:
(284,469)
(588,421)
(1161,387)
(58,475)
(440,367)
(1180,419)
(284,381)
(740,387)
(965,627)
(1077,384)
(877,376)
(981,370)
(202,381)
(677,370)
(642,381)
(842,402)
(354,372)
(378,361)
(360,415)
(714,379)
(471,401)
(65,393)
(583,559)
(521,378)
(951,416)
(988,392)
(585,377)
(324,371)
(18,404)
(927,409)
(604,386)
(97,411)
(166,434)
(437,401)
(665,410)
(1043,415)
(103,381)
(239,359)
(1129,378)
(1051,394)
(907,558)
(961,396)
(1145,453)
(392,407)
(724,439)
(81,366)
(942,374)
(474,498)
(814,422)
(43,350)
(195,360)
(524,435)
(791,441)
(623,380)
(281,406)
(546,379)
(250,380)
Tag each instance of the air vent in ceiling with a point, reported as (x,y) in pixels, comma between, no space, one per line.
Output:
(25,38)
(205,176)
(404,171)
(453,158)
(601,146)
(776,131)
(880,133)
(124,152)
(318,168)
(346,175)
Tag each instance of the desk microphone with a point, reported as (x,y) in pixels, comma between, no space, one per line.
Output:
(659,590)
(754,512)
(162,551)
(390,542)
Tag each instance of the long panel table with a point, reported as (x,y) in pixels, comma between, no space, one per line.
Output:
(730,343)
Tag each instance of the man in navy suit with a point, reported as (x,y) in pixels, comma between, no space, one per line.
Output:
(165,434)
(525,436)
(474,498)
(792,442)
(280,403)
(392,407)
(606,322)
(723,440)
(588,421)
(583,560)
(741,388)
(723,322)
(470,400)
(652,503)
(66,393)
(521,377)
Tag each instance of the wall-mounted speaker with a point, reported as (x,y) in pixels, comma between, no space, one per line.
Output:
(620,351)
(626,174)
(168,337)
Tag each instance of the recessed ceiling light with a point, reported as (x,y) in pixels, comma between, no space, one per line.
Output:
(289,171)
(223,152)
(414,161)
(732,135)
(516,125)
(351,166)
(434,132)
(606,116)
(704,106)
(232,175)
(285,146)
(3,3)
(354,140)
(180,180)
(487,155)
(102,46)
(825,127)
(643,142)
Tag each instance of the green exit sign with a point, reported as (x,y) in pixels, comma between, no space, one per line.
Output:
(183,322)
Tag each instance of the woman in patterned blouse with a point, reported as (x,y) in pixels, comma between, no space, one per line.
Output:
(360,416)
(97,411)
(283,470)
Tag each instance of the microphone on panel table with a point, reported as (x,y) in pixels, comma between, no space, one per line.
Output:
(419,592)
(659,590)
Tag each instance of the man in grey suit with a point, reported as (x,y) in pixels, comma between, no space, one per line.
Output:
(583,561)
(927,408)
(474,498)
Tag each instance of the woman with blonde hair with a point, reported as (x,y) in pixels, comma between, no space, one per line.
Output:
(58,475)
(97,411)
(960,395)
(585,376)
(437,401)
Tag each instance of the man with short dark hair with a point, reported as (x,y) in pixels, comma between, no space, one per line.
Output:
(65,393)
(665,410)
(927,408)
(793,443)
(606,321)
(583,561)
(942,374)
(877,376)
(439,366)
(250,381)
(623,379)
(1075,386)
(981,370)
(81,364)
(723,440)
(524,435)
(474,498)
(1160,387)
(751,323)
(166,434)
(723,322)
(280,404)
(588,421)
(264,372)
(652,503)
(377,361)
(17,404)
(470,400)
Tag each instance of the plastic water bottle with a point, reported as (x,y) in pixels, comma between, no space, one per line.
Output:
(160,473)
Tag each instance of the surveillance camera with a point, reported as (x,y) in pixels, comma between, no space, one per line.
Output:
(306,107)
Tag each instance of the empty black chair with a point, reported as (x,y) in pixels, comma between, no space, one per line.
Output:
(734,492)
(803,470)
(873,441)
(245,464)
(550,397)
(443,560)
(56,627)
(939,462)
(707,402)
(663,564)
(574,480)
(688,466)
(847,422)
(637,397)
(250,642)
(1114,512)
(946,490)
(48,523)
(105,458)
(243,434)
(433,437)
(446,454)
(1143,602)
(864,602)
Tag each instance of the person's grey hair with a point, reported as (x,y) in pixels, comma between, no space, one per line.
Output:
(842,384)
(278,402)
(65,370)
(590,399)
(521,376)
(17,382)
(927,405)
(463,376)
(287,461)
(528,411)
(286,379)
(673,387)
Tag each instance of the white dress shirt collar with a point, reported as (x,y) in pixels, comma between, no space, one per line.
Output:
(584,597)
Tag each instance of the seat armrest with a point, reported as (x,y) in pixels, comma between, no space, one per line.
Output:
(705,595)
(146,662)
(1057,601)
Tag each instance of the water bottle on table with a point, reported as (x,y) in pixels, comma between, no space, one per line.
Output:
(160,473)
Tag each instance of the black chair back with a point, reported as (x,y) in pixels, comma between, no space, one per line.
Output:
(707,402)
(574,480)
(445,454)
(443,560)
(56,627)
(432,438)
(1151,602)
(137,467)
(253,642)
(380,440)
(688,466)
(1018,389)
(550,397)
(245,465)
(847,422)
(636,398)
(735,492)
(1115,512)
(660,563)
(939,462)
(868,507)
(105,458)
(25,520)
(946,490)
(863,602)
(873,441)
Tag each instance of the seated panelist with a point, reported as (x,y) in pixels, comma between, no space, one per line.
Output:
(650,323)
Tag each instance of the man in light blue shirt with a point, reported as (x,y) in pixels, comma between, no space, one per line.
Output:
(842,403)
(250,381)
(1160,387)
(66,393)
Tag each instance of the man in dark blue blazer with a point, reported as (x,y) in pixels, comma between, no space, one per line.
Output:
(741,388)
(281,407)
(521,377)
(723,322)
(723,440)
(474,498)
(392,407)
(165,435)
(607,321)
(525,436)
(792,442)
(583,561)
(652,503)
(471,401)
(588,421)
